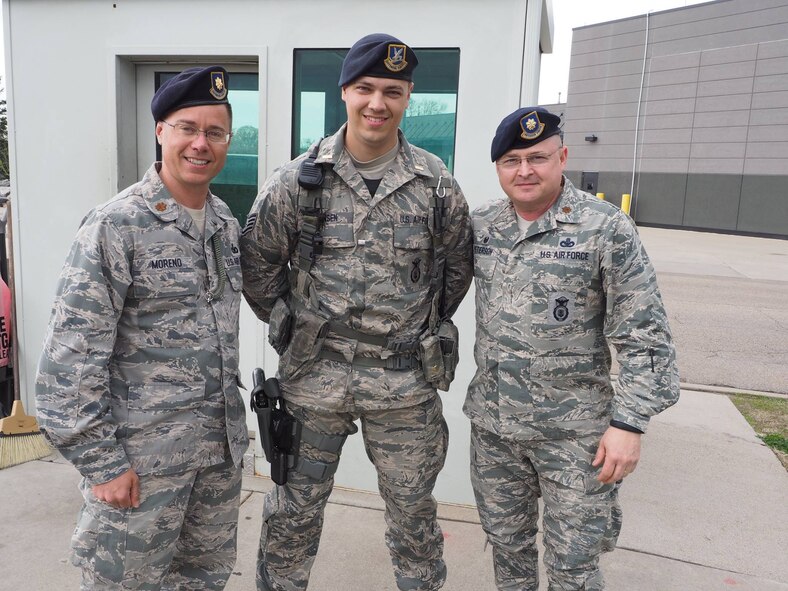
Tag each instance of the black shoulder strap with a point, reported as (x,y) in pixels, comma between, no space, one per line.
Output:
(310,207)
(440,209)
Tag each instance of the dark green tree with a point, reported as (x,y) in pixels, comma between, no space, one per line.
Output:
(419,107)
(244,140)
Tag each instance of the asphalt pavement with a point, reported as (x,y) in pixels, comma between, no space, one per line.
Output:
(706,510)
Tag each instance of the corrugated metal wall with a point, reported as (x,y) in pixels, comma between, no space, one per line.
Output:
(711,116)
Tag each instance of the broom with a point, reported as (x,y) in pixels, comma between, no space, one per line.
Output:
(20,439)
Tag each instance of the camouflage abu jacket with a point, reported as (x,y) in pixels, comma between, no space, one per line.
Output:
(548,305)
(140,364)
(373,275)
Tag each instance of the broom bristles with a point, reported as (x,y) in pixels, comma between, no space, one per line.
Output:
(17,449)
(20,439)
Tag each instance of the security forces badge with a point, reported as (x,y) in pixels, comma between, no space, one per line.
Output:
(531,125)
(561,308)
(218,86)
(395,59)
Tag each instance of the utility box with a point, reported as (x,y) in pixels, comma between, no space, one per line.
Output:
(589,181)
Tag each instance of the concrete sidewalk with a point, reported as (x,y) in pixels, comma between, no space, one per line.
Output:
(706,510)
(718,255)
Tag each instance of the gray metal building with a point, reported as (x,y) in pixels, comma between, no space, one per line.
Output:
(687,111)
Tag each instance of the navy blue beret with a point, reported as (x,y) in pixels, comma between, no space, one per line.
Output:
(380,56)
(190,88)
(524,128)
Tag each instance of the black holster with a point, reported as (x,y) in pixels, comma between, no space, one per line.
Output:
(280,433)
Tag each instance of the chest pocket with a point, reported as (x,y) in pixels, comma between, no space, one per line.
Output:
(559,298)
(338,230)
(337,227)
(164,270)
(412,256)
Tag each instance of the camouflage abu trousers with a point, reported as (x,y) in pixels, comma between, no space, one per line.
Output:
(182,536)
(582,517)
(408,448)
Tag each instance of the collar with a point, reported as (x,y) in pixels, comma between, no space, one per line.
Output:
(565,210)
(332,149)
(164,206)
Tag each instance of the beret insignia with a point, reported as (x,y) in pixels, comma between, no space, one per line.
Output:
(395,60)
(531,125)
(218,87)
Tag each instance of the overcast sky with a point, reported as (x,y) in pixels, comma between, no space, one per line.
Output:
(568,14)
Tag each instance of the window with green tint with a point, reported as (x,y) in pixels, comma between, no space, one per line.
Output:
(236,184)
(430,121)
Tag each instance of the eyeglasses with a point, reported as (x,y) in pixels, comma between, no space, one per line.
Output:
(515,162)
(217,136)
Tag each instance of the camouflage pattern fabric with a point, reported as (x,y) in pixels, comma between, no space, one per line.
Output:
(140,361)
(582,517)
(373,276)
(548,306)
(140,548)
(407,447)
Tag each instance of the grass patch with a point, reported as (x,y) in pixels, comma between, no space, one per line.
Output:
(776,442)
(769,418)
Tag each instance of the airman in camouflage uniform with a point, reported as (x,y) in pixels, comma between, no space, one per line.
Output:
(138,382)
(360,313)
(560,276)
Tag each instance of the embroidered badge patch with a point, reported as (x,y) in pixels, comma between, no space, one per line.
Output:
(251,220)
(531,125)
(568,242)
(415,272)
(218,87)
(480,244)
(395,60)
(161,206)
(560,308)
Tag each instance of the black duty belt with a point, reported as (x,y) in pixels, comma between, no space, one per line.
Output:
(393,362)
(390,343)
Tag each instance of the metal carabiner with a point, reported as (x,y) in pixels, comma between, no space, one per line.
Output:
(440,190)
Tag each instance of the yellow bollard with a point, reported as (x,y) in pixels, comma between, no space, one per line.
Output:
(626,201)
(601,196)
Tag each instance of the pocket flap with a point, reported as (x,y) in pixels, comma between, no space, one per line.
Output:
(561,367)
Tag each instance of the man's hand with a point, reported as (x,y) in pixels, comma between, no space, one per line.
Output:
(620,451)
(122,492)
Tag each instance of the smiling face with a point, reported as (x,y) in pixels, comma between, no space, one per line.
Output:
(533,188)
(189,164)
(375,107)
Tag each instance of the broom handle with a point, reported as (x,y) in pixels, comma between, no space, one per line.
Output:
(9,243)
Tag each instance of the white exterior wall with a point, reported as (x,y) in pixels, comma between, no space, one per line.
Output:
(73,115)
